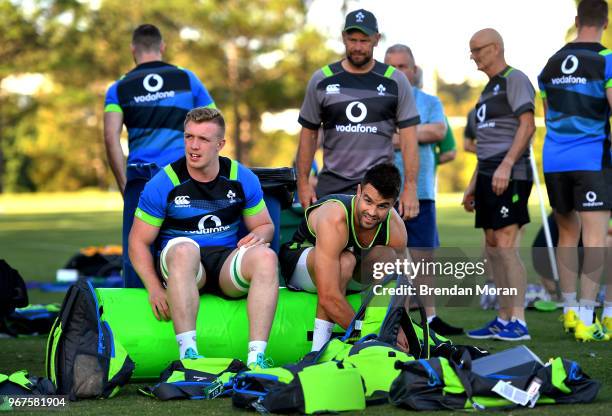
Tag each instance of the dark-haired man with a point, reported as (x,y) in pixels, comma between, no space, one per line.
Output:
(193,207)
(152,101)
(359,102)
(325,251)
(576,86)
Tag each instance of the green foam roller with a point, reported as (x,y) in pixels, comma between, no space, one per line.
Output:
(222,328)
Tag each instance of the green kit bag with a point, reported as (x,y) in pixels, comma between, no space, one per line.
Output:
(194,379)
(379,319)
(310,389)
(21,384)
(83,358)
(438,383)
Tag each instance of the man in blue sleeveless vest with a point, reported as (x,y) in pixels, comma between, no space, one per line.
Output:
(576,86)
(151,100)
(193,208)
(329,245)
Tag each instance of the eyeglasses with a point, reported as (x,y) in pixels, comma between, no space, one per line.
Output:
(476,51)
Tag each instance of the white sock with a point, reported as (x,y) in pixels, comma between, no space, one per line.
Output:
(585,311)
(607,311)
(322,333)
(569,302)
(520,321)
(186,340)
(430,318)
(256,347)
(502,321)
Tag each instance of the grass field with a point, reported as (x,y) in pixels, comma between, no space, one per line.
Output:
(52,228)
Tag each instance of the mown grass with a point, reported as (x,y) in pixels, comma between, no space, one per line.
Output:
(39,242)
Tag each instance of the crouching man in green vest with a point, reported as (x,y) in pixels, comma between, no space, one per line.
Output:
(338,236)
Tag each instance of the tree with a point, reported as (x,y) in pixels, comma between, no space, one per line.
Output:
(19,48)
(254,56)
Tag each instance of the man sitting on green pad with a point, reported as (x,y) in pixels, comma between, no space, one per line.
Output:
(329,247)
(193,207)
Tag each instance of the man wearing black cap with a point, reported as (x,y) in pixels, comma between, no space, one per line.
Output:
(360,103)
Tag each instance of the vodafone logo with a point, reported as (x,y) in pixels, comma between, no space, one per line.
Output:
(212,218)
(481,113)
(572,61)
(592,201)
(591,196)
(356,115)
(153,83)
(363,111)
(568,67)
(210,224)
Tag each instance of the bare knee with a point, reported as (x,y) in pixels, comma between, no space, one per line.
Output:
(569,229)
(263,264)
(183,255)
(506,237)
(183,251)
(490,240)
(595,228)
(347,265)
(382,253)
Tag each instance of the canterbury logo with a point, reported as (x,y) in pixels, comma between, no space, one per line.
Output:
(182,200)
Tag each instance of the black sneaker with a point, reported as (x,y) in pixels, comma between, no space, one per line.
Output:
(442,328)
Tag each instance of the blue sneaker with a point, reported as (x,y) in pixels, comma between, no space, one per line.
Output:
(490,330)
(261,363)
(514,331)
(191,354)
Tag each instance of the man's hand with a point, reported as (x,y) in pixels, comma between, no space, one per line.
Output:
(159,304)
(306,194)
(468,198)
(408,204)
(501,178)
(251,240)
(402,341)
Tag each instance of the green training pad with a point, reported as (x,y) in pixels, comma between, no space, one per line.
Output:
(545,305)
(222,328)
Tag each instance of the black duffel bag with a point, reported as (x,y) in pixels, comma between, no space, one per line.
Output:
(13,293)
(278,182)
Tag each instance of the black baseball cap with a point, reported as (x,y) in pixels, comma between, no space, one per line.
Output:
(361,20)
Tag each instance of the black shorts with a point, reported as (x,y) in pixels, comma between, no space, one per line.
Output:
(288,256)
(580,190)
(329,183)
(495,212)
(212,258)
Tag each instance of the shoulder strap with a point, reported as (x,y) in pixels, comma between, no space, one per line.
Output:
(389,71)
(331,69)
